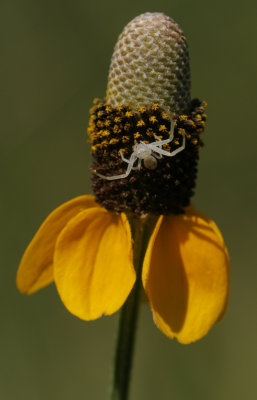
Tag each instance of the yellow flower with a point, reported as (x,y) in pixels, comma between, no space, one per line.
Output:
(87,251)
(86,247)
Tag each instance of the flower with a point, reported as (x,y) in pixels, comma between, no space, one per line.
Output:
(87,251)
(86,245)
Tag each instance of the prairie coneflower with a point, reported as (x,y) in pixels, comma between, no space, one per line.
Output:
(140,225)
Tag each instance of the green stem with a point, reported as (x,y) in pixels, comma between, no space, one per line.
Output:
(141,231)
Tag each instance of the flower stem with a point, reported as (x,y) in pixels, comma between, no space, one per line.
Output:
(141,231)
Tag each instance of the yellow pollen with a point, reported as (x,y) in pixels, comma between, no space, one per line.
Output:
(116,129)
(155,107)
(97,134)
(149,132)
(117,120)
(153,119)
(140,123)
(181,131)
(100,113)
(114,155)
(128,114)
(100,124)
(162,128)
(194,141)
(108,109)
(164,115)
(105,133)
(127,127)
(120,107)
(142,109)
(92,110)
(137,135)
(114,141)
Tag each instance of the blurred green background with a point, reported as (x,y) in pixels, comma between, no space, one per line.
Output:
(55,59)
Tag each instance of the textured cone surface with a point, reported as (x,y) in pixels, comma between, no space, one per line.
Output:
(150,65)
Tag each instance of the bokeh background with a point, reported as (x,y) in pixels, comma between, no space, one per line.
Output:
(54,60)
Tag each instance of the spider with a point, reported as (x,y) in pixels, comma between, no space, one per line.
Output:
(149,153)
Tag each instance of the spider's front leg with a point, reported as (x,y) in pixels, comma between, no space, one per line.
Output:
(131,162)
(160,142)
(128,161)
(123,158)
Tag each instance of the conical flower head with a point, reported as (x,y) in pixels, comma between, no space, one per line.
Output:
(150,65)
(145,138)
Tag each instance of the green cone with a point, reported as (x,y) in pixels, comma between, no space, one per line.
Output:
(150,65)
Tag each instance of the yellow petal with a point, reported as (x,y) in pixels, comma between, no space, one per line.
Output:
(186,275)
(93,266)
(36,267)
(193,211)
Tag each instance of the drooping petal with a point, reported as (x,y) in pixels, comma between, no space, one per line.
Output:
(36,267)
(193,211)
(93,266)
(186,275)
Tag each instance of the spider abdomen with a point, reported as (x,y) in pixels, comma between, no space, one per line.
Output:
(150,162)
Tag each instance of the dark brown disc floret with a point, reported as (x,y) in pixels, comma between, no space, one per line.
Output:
(164,186)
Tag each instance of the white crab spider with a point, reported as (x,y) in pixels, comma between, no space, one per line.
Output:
(149,153)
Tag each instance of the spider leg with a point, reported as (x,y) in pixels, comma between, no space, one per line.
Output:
(167,153)
(170,138)
(138,167)
(123,158)
(158,156)
(132,160)
(128,161)
(157,138)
